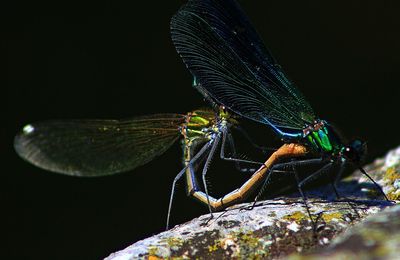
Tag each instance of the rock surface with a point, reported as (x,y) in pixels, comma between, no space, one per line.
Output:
(279,228)
(376,237)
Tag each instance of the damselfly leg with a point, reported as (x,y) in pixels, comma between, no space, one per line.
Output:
(378,187)
(210,147)
(238,195)
(282,166)
(228,136)
(188,164)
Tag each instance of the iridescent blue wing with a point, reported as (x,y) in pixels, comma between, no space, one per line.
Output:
(97,147)
(229,60)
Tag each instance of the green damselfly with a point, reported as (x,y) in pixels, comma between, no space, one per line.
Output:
(223,51)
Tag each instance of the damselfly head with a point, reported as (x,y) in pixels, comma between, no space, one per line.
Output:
(355,151)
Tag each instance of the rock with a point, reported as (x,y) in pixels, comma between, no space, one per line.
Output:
(281,227)
(376,237)
(385,171)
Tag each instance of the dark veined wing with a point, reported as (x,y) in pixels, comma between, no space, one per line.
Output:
(224,53)
(97,147)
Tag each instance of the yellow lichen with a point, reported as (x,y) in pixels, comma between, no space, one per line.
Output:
(327,217)
(250,246)
(174,242)
(214,247)
(393,194)
(296,216)
(153,252)
(391,175)
(249,239)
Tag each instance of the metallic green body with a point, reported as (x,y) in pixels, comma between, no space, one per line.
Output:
(324,139)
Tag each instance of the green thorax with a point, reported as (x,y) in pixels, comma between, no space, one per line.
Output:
(202,123)
(322,137)
(198,122)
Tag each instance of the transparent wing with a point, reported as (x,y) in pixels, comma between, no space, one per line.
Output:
(227,57)
(97,147)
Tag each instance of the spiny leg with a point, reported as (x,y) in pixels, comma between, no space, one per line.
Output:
(180,174)
(285,151)
(315,174)
(206,165)
(334,186)
(261,190)
(303,197)
(338,177)
(378,187)
(300,184)
(236,160)
(232,147)
(321,171)
(276,168)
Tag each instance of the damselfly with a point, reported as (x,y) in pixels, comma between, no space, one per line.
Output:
(224,53)
(90,148)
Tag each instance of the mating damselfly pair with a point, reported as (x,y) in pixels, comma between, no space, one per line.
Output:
(239,77)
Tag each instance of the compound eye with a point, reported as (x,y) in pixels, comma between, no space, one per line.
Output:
(349,153)
(355,151)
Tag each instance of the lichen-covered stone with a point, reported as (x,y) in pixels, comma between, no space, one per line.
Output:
(385,171)
(377,237)
(242,233)
(280,227)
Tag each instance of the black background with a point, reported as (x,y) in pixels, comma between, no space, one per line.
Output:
(116,60)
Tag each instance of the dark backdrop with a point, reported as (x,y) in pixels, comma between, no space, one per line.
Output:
(116,60)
